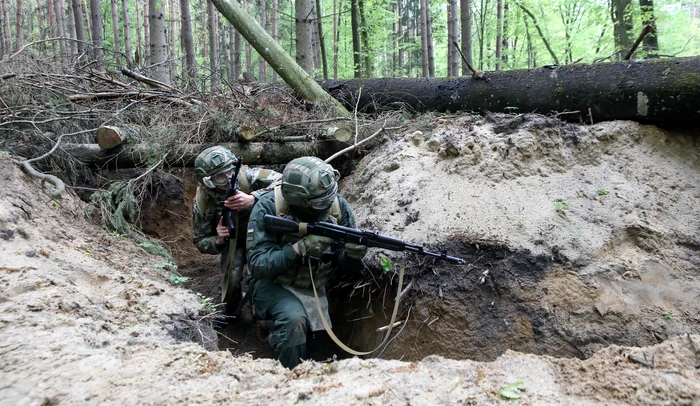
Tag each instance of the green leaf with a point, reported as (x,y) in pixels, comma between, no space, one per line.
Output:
(386,264)
(602,192)
(512,391)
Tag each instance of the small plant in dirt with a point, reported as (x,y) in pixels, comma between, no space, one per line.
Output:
(4,153)
(165,265)
(386,265)
(511,109)
(177,279)
(207,303)
(603,192)
(560,207)
(512,391)
(668,315)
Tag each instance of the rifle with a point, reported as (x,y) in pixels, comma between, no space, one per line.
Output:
(278,225)
(232,189)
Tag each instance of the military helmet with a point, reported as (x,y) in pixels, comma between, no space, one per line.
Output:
(211,162)
(309,182)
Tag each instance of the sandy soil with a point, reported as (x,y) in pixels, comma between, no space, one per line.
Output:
(87,317)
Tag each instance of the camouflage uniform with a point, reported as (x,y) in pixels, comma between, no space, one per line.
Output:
(206,212)
(281,288)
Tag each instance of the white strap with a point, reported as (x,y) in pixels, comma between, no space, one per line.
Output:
(330,331)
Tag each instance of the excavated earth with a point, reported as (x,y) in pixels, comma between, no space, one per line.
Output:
(581,281)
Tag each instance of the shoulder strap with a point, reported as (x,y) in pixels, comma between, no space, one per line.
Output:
(281,205)
(243,181)
(201,199)
(335,210)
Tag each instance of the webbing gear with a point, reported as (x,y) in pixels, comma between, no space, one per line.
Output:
(326,326)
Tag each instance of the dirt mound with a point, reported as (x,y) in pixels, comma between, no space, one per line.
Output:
(576,237)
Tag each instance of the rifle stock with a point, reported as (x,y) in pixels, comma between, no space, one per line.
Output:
(278,225)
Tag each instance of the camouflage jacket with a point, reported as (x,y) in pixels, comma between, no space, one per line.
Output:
(271,255)
(207,207)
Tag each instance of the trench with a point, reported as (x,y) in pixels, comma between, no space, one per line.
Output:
(501,299)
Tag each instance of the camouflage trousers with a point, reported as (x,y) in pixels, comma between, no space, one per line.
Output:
(273,302)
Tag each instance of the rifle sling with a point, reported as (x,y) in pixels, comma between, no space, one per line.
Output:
(330,331)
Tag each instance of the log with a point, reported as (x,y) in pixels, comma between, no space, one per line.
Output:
(110,136)
(254,153)
(245,133)
(342,134)
(665,92)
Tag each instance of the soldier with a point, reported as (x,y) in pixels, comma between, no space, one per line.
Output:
(213,167)
(280,265)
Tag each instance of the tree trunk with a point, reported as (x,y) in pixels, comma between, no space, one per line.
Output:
(356,49)
(236,56)
(52,27)
(212,17)
(138,52)
(650,43)
(364,36)
(7,33)
(158,45)
(321,41)
(172,49)
(452,29)
(275,29)
(424,37)
(262,68)
(188,43)
(19,35)
(40,18)
(465,12)
(660,91)
(79,27)
(431,48)
(303,15)
(499,35)
(622,21)
(253,153)
(86,15)
(147,35)
(66,26)
(97,40)
(273,53)
(115,32)
(127,34)
(399,38)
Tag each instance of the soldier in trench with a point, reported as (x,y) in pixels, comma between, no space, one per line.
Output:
(281,265)
(213,167)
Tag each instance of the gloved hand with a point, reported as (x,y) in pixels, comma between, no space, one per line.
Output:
(314,245)
(355,251)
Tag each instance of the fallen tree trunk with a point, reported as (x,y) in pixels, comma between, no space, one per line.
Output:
(257,153)
(665,92)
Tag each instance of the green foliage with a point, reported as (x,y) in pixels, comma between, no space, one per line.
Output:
(602,192)
(560,207)
(386,265)
(165,265)
(177,279)
(4,153)
(207,303)
(667,315)
(511,391)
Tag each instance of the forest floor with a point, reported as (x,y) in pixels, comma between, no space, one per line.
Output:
(582,283)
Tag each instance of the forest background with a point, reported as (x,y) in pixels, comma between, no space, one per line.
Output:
(190,43)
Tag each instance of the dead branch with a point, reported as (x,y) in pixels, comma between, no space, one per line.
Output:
(150,82)
(350,148)
(539,30)
(650,27)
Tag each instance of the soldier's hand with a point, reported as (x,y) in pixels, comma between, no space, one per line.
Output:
(240,201)
(221,232)
(355,251)
(314,245)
